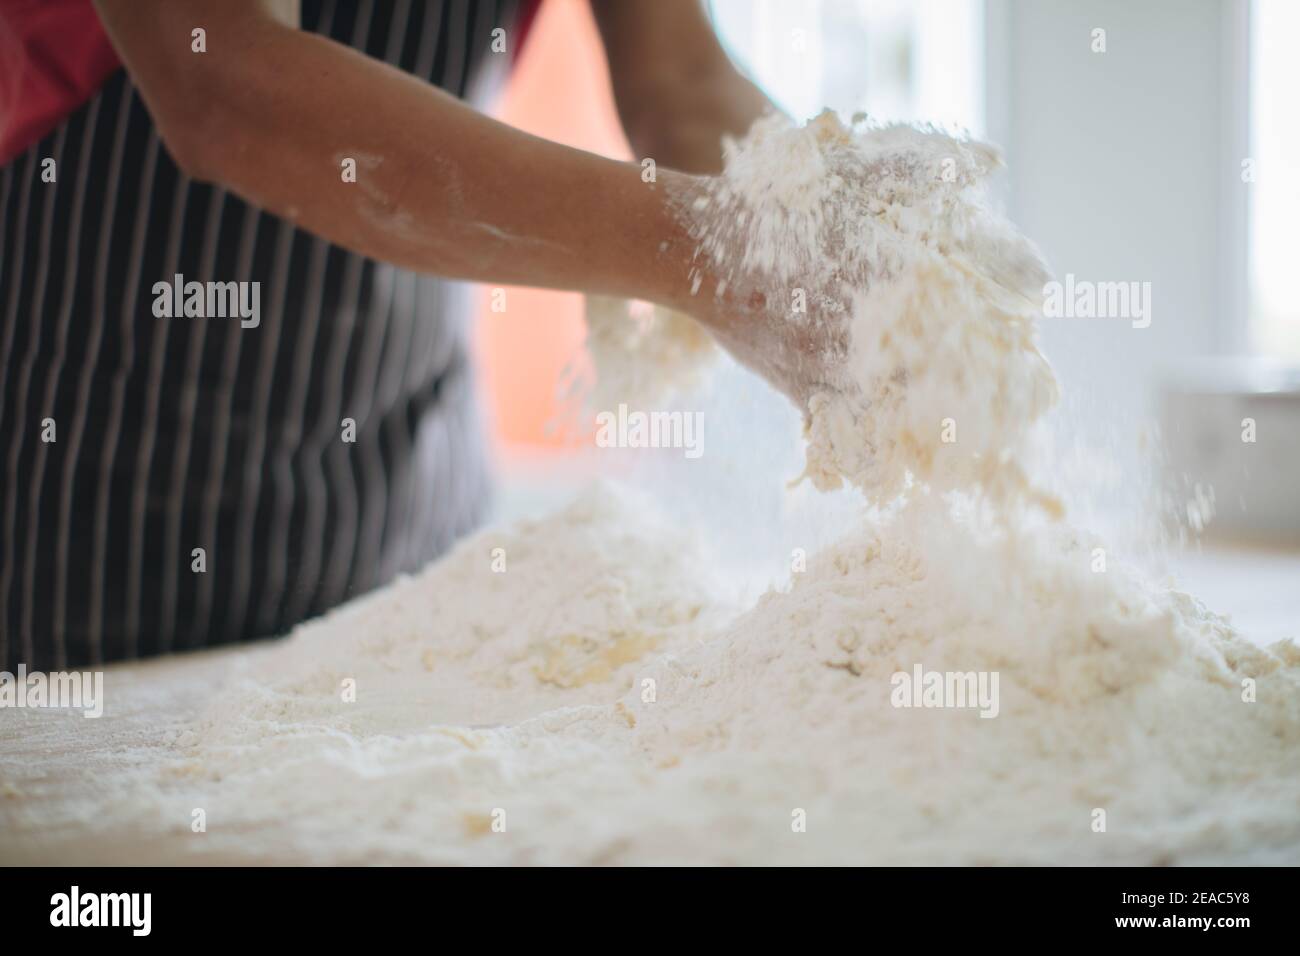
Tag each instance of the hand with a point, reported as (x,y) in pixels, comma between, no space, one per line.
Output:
(792,330)
(797,352)
(776,284)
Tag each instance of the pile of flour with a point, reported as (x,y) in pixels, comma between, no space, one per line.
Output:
(577,689)
(595,703)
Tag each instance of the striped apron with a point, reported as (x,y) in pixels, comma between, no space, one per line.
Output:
(174,483)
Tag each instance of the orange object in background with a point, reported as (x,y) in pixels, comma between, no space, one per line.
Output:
(560,90)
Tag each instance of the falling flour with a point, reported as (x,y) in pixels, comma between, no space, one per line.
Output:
(575,689)
(643,357)
(888,231)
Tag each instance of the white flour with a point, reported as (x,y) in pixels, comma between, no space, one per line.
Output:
(525,692)
(642,358)
(888,229)
(593,700)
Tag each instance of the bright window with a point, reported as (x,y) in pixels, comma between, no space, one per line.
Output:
(919,60)
(1275,192)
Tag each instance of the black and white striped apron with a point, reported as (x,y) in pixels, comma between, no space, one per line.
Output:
(175,434)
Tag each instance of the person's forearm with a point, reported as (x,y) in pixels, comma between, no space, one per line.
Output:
(677,91)
(439,187)
(685,128)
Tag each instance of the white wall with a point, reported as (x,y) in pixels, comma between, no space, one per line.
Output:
(1120,164)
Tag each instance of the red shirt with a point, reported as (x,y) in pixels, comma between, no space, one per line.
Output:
(54,55)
